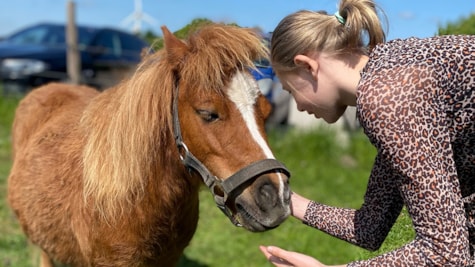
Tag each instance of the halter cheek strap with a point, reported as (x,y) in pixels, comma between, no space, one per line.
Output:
(221,189)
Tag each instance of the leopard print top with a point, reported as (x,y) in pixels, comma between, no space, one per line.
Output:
(416,103)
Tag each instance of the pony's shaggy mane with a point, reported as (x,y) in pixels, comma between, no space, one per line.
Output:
(138,119)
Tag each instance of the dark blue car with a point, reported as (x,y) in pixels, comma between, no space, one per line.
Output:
(37,55)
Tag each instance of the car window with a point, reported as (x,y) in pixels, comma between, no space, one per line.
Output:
(109,41)
(132,43)
(132,46)
(35,35)
(85,35)
(49,35)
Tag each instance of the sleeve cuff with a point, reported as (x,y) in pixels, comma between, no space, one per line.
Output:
(310,217)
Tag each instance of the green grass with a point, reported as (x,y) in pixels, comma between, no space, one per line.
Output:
(14,248)
(321,170)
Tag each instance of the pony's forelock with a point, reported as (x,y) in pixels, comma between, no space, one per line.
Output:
(220,50)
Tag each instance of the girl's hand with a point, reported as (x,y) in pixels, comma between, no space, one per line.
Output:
(283,258)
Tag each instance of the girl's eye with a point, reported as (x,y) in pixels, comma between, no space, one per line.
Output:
(208,116)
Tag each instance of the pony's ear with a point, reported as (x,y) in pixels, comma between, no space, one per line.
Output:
(265,107)
(176,49)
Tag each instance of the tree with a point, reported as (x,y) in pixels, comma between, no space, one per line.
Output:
(191,27)
(462,26)
(154,40)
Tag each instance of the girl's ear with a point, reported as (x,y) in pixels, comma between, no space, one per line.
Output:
(307,63)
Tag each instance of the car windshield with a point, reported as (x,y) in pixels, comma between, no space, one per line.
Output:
(48,35)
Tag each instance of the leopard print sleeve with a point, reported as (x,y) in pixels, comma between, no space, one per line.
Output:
(416,103)
(368,226)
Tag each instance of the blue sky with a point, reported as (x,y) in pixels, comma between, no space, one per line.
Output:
(407,18)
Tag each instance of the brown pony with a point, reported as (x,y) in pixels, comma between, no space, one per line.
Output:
(98,180)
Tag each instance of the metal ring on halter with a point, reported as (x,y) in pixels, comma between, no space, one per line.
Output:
(182,147)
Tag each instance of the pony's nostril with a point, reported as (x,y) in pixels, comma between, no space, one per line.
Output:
(287,194)
(266,191)
(266,199)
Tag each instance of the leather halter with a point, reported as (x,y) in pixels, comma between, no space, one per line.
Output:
(217,186)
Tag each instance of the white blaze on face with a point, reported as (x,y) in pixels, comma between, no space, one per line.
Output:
(244,92)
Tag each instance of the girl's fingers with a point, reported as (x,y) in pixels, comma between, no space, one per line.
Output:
(274,255)
(264,251)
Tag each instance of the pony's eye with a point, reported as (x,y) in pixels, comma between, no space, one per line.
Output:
(207,115)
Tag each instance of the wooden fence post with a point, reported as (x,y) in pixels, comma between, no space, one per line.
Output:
(73,58)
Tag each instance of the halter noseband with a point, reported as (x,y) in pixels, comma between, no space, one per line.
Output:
(212,182)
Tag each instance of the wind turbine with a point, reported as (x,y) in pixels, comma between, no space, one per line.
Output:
(137,17)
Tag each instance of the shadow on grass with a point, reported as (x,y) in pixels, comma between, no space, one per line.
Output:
(187,262)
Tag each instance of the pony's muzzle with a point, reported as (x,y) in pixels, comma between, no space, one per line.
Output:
(265,203)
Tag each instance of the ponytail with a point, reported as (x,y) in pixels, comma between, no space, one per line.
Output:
(361,20)
(354,28)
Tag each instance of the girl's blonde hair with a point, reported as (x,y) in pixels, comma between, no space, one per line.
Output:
(356,28)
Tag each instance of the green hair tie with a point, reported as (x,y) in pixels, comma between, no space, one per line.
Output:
(340,18)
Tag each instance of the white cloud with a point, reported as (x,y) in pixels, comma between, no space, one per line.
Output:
(407,15)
